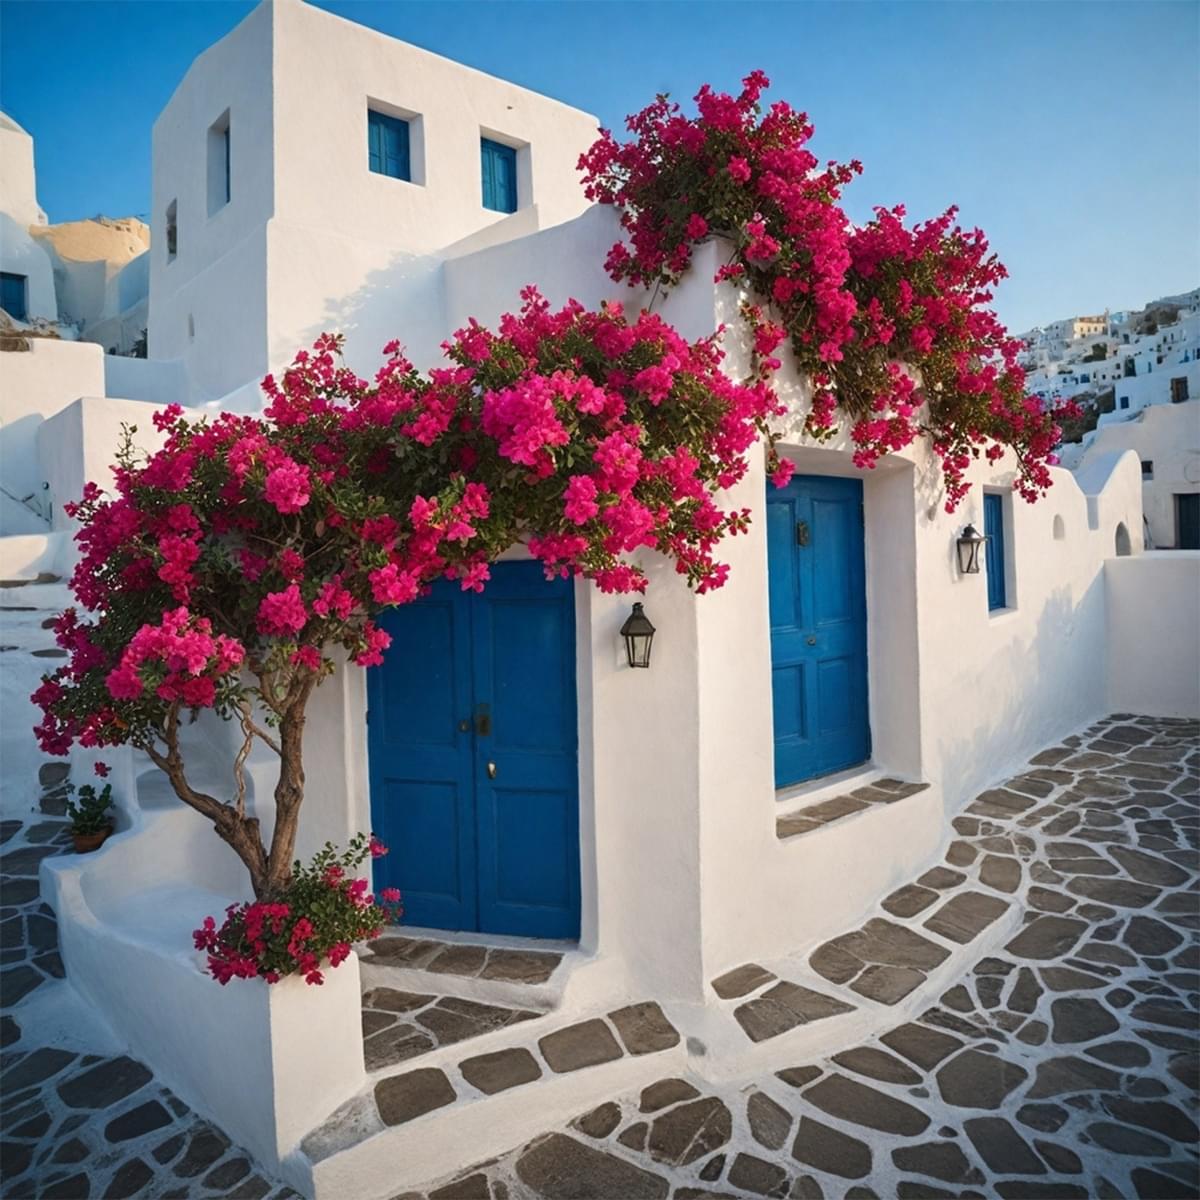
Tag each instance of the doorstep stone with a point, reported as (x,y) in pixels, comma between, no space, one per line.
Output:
(584,1045)
(783,1007)
(492,1073)
(644,1028)
(402,1098)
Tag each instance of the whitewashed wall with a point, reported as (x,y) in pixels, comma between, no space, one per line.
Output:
(1154,633)
(22,254)
(36,384)
(18,179)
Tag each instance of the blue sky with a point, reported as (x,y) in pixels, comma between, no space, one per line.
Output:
(1069,131)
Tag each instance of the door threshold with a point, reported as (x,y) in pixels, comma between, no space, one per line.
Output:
(499,941)
(824,787)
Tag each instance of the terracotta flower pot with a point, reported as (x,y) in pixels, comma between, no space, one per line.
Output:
(85,843)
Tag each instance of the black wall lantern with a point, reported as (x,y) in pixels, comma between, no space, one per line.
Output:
(638,634)
(970,541)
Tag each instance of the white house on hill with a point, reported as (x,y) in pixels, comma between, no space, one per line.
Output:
(797,748)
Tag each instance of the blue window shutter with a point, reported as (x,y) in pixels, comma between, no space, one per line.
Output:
(375,142)
(387,145)
(228,182)
(993,526)
(13,296)
(499,166)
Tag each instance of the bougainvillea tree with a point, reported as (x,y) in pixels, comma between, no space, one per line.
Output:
(235,567)
(890,322)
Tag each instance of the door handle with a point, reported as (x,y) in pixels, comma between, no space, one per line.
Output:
(464,726)
(812,641)
(491,770)
(802,533)
(483,720)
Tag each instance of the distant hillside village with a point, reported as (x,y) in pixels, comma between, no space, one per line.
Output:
(1127,369)
(78,280)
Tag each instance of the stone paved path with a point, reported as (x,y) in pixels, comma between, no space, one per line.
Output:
(75,1125)
(1062,1065)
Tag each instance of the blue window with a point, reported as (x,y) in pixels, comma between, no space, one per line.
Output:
(993,527)
(499,176)
(225,158)
(1124,402)
(13,295)
(387,145)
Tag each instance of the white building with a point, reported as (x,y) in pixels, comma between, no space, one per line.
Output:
(675,834)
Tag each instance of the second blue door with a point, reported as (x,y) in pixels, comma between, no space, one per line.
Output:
(817,575)
(473,764)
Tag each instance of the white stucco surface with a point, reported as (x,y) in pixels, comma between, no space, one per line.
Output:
(22,254)
(1154,633)
(35,384)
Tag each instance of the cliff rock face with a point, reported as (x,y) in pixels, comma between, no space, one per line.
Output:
(101,276)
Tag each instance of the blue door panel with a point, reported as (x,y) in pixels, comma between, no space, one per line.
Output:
(481,818)
(817,589)
(993,527)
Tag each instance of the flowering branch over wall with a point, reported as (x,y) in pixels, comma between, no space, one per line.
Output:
(890,322)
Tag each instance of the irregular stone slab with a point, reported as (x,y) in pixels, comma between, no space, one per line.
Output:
(1120,1139)
(798,1076)
(1003,1149)
(862,1105)
(1120,892)
(396,1044)
(961,854)
(51,774)
(1080,1019)
(880,941)
(138,1121)
(941,878)
(391,1000)
(458,960)
(1061,1076)
(1068,979)
(1121,1054)
(833,810)
(1048,1118)
(1145,935)
(974,1079)
(600,1122)
(104,1084)
(690,1131)
(921,1045)
(830,1150)
(877,1064)
(783,1007)
(1026,992)
(558,1167)
(741,980)
(1003,874)
(1001,803)
(1047,937)
(834,963)
(753,1174)
(635,1136)
(497,1072)
(770,1123)
(1158,1115)
(473,1187)
(583,1045)
(402,1098)
(644,1028)
(909,900)
(938,1160)
(665,1093)
(453,1019)
(963,917)
(205,1148)
(34,1068)
(520,966)
(887,985)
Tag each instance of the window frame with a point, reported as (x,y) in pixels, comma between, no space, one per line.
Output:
(490,151)
(996,552)
(381,121)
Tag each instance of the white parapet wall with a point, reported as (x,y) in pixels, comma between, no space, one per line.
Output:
(36,384)
(1154,633)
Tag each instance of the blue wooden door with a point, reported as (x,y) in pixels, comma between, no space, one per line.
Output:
(817,588)
(993,528)
(473,749)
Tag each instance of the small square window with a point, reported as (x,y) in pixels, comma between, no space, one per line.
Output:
(1147,468)
(388,146)
(14,295)
(499,167)
(1124,401)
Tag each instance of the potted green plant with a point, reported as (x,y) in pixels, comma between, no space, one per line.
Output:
(91,821)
